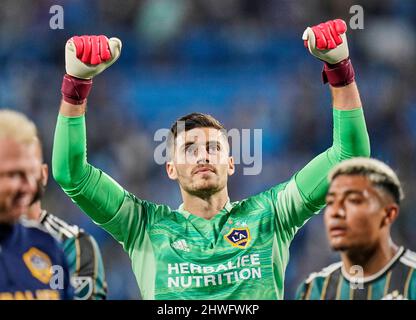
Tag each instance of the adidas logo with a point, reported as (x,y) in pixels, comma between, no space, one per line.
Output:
(181,245)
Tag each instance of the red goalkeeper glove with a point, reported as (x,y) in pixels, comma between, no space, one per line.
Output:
(328,42)
(86,57)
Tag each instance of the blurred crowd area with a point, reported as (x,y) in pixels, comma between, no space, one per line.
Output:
(242,61)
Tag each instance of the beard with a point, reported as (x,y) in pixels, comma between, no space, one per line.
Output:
(203,191)
(203,188)
(39,192)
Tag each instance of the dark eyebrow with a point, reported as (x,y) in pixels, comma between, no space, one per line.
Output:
(187,144)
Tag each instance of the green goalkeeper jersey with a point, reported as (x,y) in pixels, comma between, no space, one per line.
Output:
(241,253)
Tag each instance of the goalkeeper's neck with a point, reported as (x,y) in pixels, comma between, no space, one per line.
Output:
(205,204)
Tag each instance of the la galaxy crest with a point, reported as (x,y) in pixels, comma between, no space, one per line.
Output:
(39,264)
(239,237)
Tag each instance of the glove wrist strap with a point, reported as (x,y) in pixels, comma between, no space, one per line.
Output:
(339,74)
(75,90)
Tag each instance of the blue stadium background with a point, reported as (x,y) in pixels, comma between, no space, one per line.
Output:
(244,62)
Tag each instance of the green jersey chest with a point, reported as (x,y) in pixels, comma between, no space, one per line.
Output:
(207,257)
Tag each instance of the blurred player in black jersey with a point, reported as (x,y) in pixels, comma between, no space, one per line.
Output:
(83,255)
(362,203)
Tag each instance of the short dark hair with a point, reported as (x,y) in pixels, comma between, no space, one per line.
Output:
(196,120)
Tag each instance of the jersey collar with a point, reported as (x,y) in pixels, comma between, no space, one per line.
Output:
(227,208)
(377,274)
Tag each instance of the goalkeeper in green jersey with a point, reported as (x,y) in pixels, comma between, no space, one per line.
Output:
(210,247)
(362,203)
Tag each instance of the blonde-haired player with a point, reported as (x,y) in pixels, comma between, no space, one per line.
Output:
(27,253)
(82,252)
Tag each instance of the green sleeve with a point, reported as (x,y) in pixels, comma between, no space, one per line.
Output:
(92,190)
(120,213)
(304,195)
(350,139)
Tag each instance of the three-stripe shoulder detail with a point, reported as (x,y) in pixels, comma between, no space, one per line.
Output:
(325,272)
(409,259)
(58,227)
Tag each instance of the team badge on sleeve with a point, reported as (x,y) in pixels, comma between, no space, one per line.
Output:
(39,264)
(239,237)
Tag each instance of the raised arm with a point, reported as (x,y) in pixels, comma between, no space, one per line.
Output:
(96,193)
(346,98)
(305,194)
(328,42)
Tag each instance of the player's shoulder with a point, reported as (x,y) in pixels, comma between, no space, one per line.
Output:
(324,273)
(58,227)
(154,212)
(261,200)
(269,197)
(64,230)
(36,233)
(35,228)
(408,258)
(274,191)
